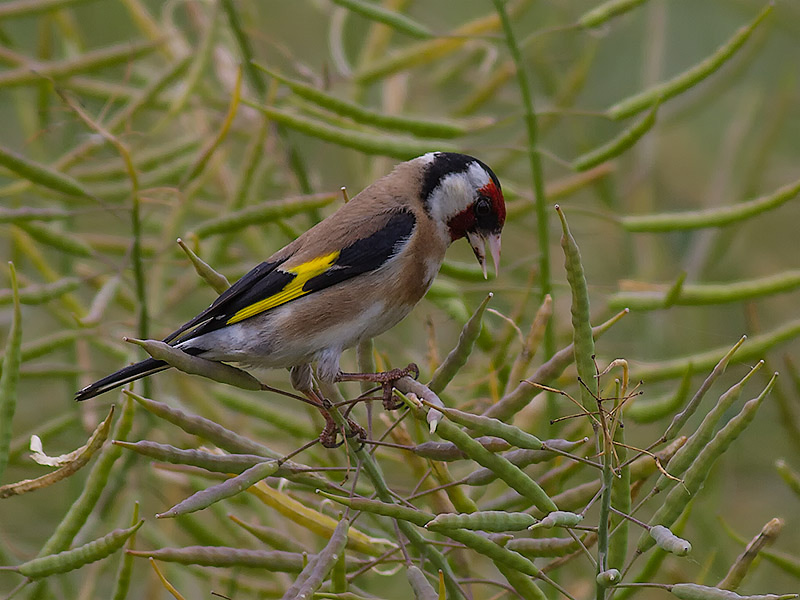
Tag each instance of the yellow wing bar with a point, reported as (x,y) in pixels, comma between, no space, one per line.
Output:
(294,289)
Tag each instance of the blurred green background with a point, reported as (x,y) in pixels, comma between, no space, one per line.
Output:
(729,139)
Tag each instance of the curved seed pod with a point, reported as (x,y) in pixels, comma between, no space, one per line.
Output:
(624,140)
(704,432)
(195,365)
(458,356)
(395,511)
(492,550)
(422,588)
(226,489)
(447,451)
(60,240)
(265,212)
(513,476)
(270,536)
(9,377)
(645,465)
(694,591)
(696,474)
(494,427)
(537,547)
(522,458)
(224,438)
(608,578)
(312,576)
(223,556)
(70,560)
(576,497)
(95,483)
(692,76)
(403,148)
(522,584)
(216,463)
(218,282)
(558,518)
(666,540)
(39,294)
(395,20)
(606,11)
(648,411)
(680,419)
(486,520)
(78,459)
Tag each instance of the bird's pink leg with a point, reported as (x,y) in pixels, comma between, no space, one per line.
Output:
(386,379)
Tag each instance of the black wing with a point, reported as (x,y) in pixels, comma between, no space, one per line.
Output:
(268,286)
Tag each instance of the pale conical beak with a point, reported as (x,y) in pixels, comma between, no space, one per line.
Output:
(478,243)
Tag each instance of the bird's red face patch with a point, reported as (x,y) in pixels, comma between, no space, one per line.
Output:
(491,191)
(487,213)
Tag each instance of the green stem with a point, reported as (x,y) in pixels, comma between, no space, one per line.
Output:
(545,283)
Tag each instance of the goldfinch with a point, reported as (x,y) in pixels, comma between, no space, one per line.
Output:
(349,278)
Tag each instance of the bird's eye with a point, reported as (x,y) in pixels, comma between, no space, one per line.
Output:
(483,207)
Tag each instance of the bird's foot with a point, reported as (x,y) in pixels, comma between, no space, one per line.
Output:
(386,379)
(329,436)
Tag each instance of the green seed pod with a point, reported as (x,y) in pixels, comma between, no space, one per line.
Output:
(512,475)
(694,591)
(70,560)
(690,77)
(458,356)
(396,511)
(223,556)
(696,474)
(447,451)
(606,11)
(422,588)
(317,570)
(226,489)
(487,520)
(608,578)
(216,463)
(494,427)
(558,518)
(539,547)
(198,366)
(666,540)
(521,458)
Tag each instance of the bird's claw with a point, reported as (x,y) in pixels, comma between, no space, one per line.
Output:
(329,435)
(389,400)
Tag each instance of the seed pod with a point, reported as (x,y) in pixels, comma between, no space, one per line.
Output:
(422,588)
(223,556)
(312,576)
(536,547)
(558,518)
(226,489)
(513,476)
(70,560)
(396,511)
(666,540)
(694,591)
(447,451)
(608,578)
(216,463)
(487,520)
(521,458)
(494,427)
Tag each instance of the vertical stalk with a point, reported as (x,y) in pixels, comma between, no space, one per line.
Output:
(546,287)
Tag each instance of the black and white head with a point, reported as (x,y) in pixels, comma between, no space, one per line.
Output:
(463,196)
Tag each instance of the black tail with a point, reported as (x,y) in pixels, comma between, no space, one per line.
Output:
(121,377)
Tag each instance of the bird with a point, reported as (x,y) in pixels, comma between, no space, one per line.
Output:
(350,277)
